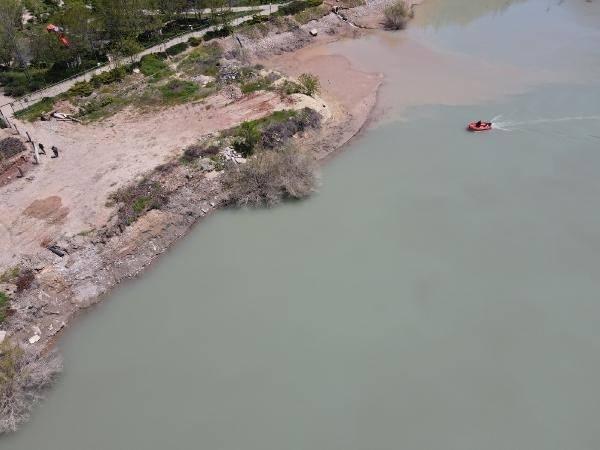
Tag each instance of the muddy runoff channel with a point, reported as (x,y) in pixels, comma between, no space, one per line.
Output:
(440,292)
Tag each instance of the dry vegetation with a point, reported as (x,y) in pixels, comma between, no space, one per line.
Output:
(397,15)
(270,177)
(137,199)
(24,376)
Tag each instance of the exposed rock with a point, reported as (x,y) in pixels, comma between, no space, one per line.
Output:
(313,32)
(2,336)
(33,339)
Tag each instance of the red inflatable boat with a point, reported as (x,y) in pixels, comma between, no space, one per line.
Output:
(482,126)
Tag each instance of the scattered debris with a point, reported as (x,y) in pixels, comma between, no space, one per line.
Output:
(231,155)
(33,339)
(2,336)
(59,251)
(64,117)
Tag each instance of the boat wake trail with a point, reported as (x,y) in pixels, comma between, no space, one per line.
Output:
(514,125)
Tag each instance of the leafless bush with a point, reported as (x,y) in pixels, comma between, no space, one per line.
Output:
(270,177)
(397,15)
(24,376)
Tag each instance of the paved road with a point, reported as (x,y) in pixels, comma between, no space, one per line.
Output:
(64,86)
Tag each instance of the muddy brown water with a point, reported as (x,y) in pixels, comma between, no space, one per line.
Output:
(442,291)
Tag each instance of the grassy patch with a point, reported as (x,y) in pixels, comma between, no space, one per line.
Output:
(101,107)
(34,111)
(202,60)
(249,135)
(136,200)
(179,91)
(3,306)
(153,66)
(81,89)
(352,3)
(259,84)
(298,5)
(112,76)
(313,13)
(177,49)
(10,274)
(215,34)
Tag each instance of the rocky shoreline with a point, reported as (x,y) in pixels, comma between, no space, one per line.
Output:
(94,264)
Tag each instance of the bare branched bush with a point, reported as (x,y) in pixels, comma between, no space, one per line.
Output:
(24,376)
(397,15)
(270,177)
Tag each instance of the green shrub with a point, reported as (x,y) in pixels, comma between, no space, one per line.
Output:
(194,41)
(94,106)
(220,33)
(290,87)
(152,66)
(81,89)
(10,274)
(177,49)
(310,83)
(248,135)
(297,6)
(18,83)
(179,91)
(34,111)
(3,306)
(109,77)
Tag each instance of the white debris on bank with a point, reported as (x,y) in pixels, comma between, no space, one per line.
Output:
(231,155)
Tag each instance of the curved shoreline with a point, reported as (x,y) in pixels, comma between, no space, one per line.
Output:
(94,266)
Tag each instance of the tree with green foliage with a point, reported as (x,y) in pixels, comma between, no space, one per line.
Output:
(80,24)
(171,9)
(10,25)
(123,18)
